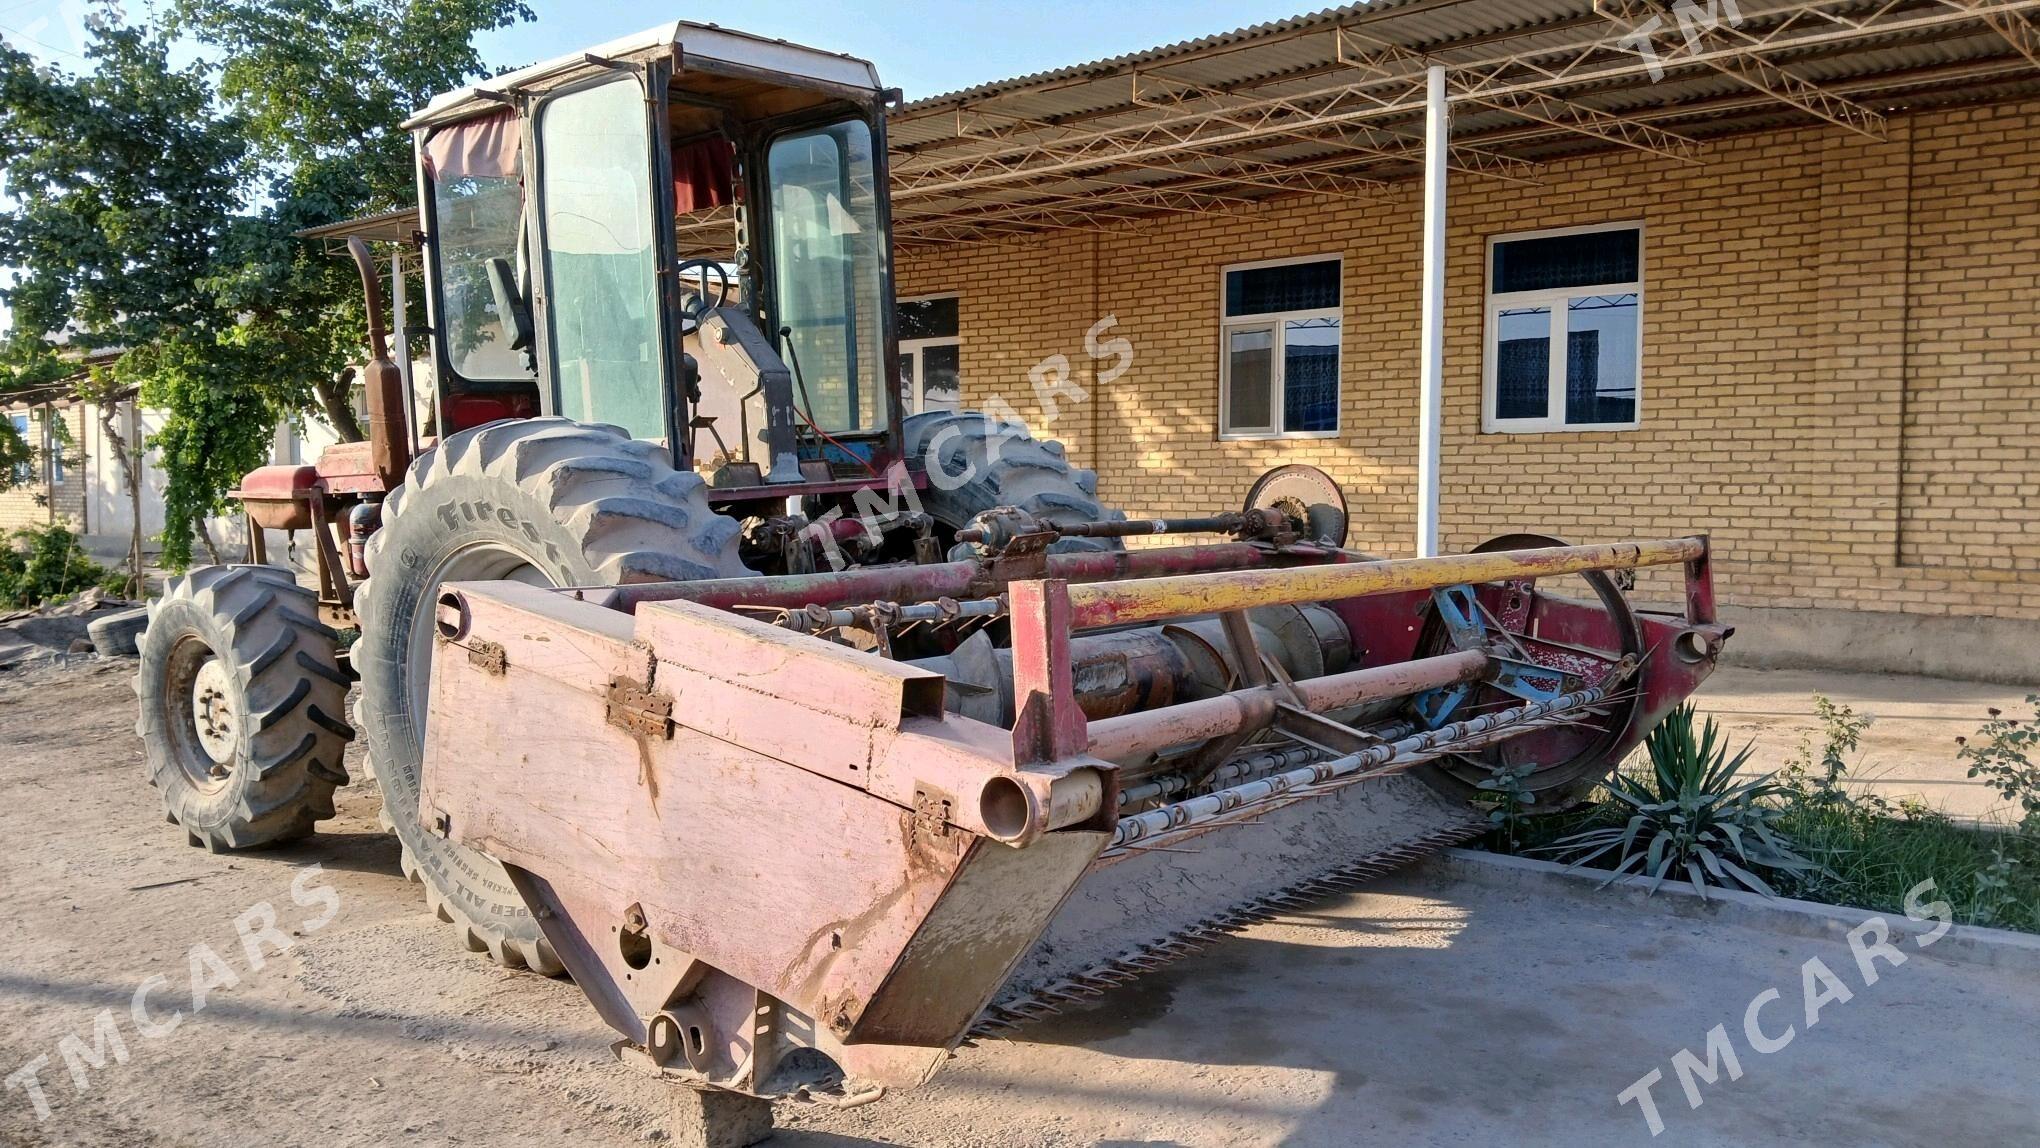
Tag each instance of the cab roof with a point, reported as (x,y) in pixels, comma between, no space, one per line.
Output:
(703,47)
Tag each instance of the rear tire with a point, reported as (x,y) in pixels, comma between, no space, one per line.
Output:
(976,463)
(242,703)
(547,501)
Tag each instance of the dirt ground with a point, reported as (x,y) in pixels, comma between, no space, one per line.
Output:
(1413,1014)
(1909,749)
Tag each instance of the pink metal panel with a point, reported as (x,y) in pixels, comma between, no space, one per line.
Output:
(818,884)
(1049,724)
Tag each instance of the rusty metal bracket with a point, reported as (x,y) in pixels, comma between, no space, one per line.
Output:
(927,549)
(489,657)
(1320,732)
(931,812)
(639,710)
(684,1030)
(1023,559)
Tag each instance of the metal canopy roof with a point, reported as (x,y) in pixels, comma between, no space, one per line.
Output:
(1333,102)
(393,226)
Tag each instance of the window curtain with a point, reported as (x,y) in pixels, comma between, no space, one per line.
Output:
(484,148)
(704,174)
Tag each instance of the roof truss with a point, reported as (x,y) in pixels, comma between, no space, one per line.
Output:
(1157,138)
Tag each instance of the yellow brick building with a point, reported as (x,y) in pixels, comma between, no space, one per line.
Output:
(52,487)
(1839,375)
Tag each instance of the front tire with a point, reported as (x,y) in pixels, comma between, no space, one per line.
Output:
(242,703)
(546,501)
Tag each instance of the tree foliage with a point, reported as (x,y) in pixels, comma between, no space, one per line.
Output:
(125,181)
(155,205)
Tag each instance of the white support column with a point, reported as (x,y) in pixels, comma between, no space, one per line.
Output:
(1430,405)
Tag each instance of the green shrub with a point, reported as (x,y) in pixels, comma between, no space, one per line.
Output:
(1820,782)
(1691,815)
(1860,849)
(2002,755)
(1507,797)
(43,563)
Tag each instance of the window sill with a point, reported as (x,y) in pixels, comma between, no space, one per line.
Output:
(1273,436)
(1565,428)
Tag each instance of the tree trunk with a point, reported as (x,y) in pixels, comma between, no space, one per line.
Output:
(212,548)
(333,399)
(131,478)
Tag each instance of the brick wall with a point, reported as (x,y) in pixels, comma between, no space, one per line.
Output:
(34,503)
(1839,369)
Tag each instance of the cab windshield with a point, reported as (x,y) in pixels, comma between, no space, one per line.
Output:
(829,272)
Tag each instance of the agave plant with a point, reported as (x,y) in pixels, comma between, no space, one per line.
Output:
(1692,815)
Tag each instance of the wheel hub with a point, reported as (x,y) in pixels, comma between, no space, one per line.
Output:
(213,715)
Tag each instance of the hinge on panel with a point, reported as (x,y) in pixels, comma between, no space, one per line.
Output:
(633,707)
(489,657)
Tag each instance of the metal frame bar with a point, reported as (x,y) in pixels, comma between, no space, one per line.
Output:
(2015,28)
(1381,58)
(1431,338)
(1096,604)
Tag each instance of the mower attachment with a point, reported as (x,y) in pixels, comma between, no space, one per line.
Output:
(777,852)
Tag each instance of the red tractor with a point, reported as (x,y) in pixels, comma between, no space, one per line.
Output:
(662,331)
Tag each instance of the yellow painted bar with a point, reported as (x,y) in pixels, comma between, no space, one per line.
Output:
(1153,599)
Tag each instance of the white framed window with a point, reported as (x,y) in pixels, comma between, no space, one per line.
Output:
(53,445)
(931,353)
(1564,330)
(23,471)
(1278,348)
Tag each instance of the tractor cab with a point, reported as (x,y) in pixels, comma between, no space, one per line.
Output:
(684,233)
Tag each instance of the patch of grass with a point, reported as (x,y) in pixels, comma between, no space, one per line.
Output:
(1989,876)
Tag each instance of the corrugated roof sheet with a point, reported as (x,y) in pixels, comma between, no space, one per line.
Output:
(1078,144)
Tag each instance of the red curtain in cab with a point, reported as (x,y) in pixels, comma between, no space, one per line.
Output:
(703,174)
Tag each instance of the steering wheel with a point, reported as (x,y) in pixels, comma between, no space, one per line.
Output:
(694,302)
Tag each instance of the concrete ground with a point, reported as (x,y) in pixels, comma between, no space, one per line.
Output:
(1909,749)
(1422,1012)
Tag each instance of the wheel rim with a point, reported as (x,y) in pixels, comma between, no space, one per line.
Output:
(213,713)
(481,562)
(205,716)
